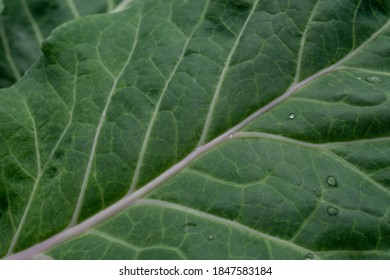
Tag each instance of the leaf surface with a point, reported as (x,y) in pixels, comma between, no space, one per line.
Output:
(25,23)
(203,130)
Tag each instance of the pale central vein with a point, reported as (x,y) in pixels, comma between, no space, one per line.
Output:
(155,112)
(178,167)
(98,130)
(222,77)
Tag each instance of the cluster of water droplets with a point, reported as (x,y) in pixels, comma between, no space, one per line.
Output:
(332,182)
(371,79)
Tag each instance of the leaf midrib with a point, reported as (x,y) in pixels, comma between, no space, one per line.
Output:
(137,195)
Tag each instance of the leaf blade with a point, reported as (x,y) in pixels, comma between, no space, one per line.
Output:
(268,161)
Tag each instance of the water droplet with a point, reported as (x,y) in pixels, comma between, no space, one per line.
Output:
(231,136)
(332,211)
(331,181)
(211,237)
(359,78)
(373,79)
(299,182)
(309,256)
(188,226)
(197,149)
(292,116)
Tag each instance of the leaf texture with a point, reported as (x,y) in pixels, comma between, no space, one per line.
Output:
(25,23)
(245,129)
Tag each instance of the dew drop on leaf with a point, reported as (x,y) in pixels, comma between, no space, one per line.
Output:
(211,237)
(331,181)
(373,79)
(332,211)
(292,116)
(299,182)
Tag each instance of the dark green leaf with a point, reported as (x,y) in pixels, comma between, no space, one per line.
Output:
(203,130)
